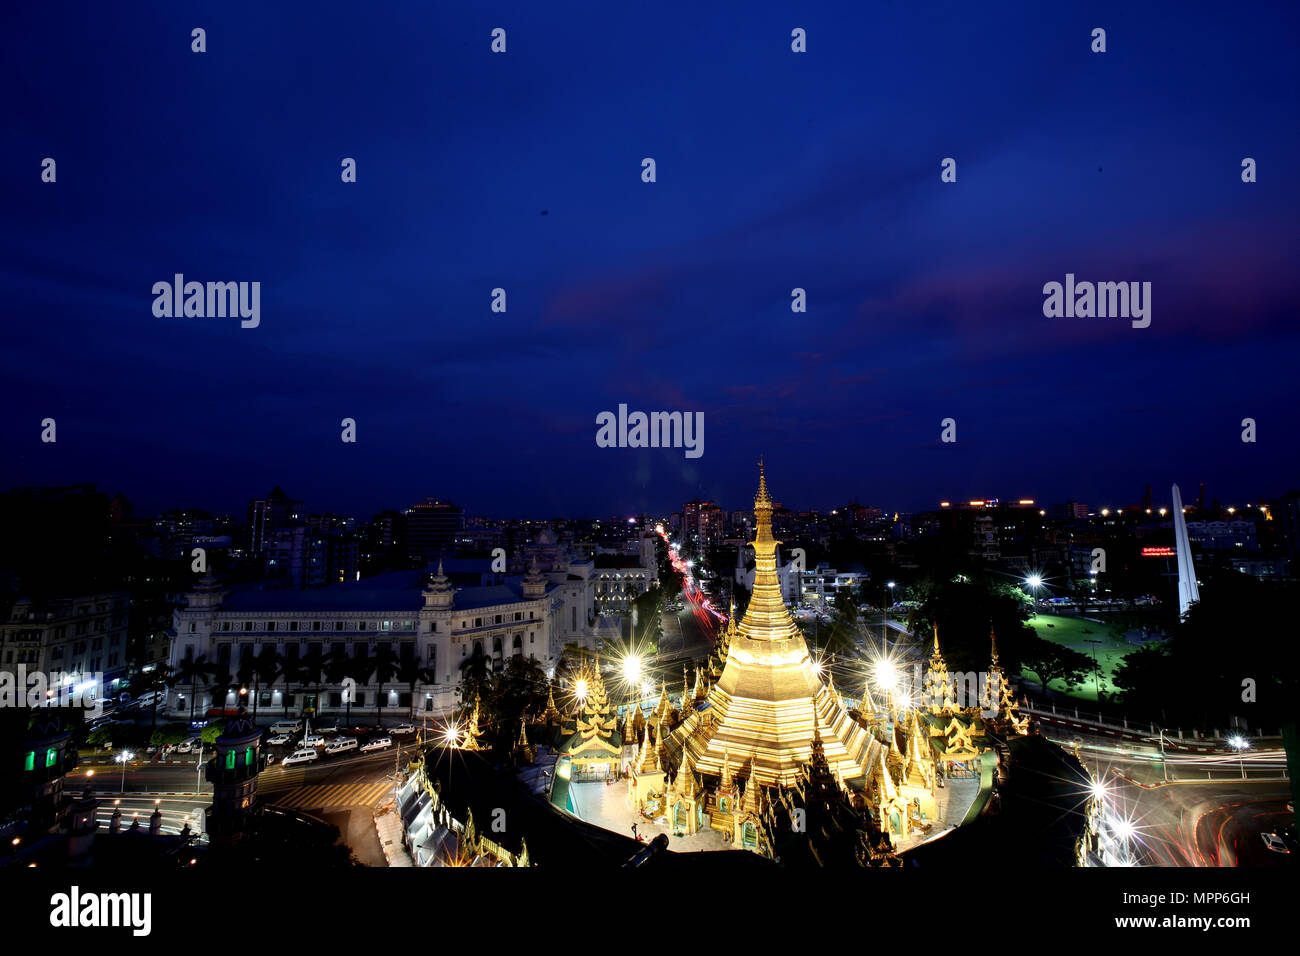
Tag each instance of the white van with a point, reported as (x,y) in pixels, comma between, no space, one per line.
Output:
(285,727)
(342,746)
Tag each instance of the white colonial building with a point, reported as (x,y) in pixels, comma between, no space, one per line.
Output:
(431,628)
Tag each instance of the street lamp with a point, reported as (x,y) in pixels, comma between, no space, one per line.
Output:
(1239,744)
(122,759)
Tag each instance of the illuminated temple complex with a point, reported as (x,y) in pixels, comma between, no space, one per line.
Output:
(761,747)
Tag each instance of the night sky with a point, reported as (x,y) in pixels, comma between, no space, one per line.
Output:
(775,170)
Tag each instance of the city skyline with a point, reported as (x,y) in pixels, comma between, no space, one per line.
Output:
(238,512)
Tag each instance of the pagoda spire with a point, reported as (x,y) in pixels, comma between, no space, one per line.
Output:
(552,713)
(649,754)
(938,686)
(767,618)
(472,732)
(727,781)
(685,784)
(753,791)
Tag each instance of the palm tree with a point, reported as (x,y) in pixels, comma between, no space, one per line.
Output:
(192,670)
(313,671)
(266,667)
(244,676)
(385,667)
(411,673)
(360,667)
(222,682)
(290,670)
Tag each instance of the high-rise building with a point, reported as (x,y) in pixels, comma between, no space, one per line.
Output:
(268,515)
(432,527)
(702,521)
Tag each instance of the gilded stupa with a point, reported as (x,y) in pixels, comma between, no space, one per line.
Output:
(767,707)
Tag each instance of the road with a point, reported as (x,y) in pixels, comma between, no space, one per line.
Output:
(1204,814)
(343,790)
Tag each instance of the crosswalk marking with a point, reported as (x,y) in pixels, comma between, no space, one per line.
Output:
(333,795)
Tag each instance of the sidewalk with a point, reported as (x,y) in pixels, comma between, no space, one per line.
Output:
(389,828)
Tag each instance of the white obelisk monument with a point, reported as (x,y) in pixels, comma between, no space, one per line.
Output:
(1188,594)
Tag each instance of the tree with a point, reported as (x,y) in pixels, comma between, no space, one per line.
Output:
(1142,677)
(191,671)
(475,678)
(290,671)
(266,667)
(517,691)
(1049,662)
(313,672)
(100,737)
(410,673)
(360,667)
(385,667)
(222,683)
(842,636)
(169,736)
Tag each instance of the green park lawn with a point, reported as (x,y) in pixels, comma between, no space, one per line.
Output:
(1074,633)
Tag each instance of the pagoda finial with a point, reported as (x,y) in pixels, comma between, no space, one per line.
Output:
(993,640)
(936,637)
(763,497)
(727,782)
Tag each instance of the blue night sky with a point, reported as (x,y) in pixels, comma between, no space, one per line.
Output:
(775,170)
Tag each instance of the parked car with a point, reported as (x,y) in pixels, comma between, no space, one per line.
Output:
(286,726)
(279,740)
(300,756)
(332,727)
(313,740)
(379,743)
(186,746)
(341,746)
(402,729)
(1274,843)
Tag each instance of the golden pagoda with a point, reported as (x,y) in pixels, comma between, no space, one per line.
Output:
(764,707)
(472,732)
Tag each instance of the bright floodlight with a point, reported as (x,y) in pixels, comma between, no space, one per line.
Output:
(580,689)
(886,676)
(1122,828)
(632,669)
(647,688)
(890,584)
(1098,789)
(1238,743)
(1033,580)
